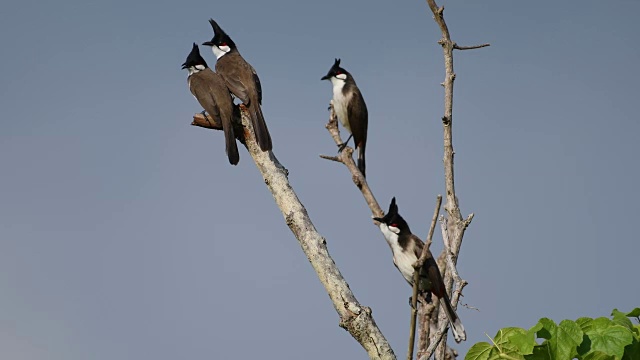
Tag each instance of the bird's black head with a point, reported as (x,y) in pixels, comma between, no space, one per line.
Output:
(336,71)
(194,60)
(220,38)
(393,220)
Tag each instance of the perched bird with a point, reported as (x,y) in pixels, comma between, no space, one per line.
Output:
(406,249)
(211,92)
(241,79)
(350,108)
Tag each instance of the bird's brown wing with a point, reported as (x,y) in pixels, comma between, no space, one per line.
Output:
(256,80)
(232,68)
(357,109)
(213,95)
(201,85)
(430,271)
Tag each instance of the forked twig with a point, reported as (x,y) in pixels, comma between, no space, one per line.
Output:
(416,278)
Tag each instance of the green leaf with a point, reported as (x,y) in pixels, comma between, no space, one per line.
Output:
(503,335)
(632,351)
(585,346)
(597,355)
(621,318)
(511,352)
(607,337)
(547,327)
(501,349)
(482,351)
(525,341)
(582,321)
(540,352)
(562,339)
(588,325)
(634,313)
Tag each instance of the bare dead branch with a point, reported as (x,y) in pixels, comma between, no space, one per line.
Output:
(414,313)
(346,158)
(460,284)
(354,317)
(332,158)
(432,227)
(206,122)
(425,314)
(416,278)
(454,224)
(458,47)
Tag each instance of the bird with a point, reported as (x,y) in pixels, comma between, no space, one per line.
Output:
(407,249)
(241,79)
(213,95)
(350,108)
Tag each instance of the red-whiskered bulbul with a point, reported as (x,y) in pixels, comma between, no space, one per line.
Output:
(211,92)
(350,108)
(242,80)
(406,249)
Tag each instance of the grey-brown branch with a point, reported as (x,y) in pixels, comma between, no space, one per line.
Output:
(354,317)
(416,279)
(456,225)
(345,157)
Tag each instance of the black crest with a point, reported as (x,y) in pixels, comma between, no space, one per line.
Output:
(335,70)
(220,38)
(194,58)
(393,218)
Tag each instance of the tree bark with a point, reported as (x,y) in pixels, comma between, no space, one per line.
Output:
(354,317)
(454,225)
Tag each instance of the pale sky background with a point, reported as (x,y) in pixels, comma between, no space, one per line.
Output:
(125,233)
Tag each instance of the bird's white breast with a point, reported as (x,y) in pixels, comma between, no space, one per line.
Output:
(403,260)
(340,102)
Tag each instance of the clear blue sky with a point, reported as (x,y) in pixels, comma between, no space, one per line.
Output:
(125,234)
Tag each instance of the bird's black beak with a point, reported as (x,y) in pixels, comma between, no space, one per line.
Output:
(207,43)
(184,66)
(326,77)
(380,220)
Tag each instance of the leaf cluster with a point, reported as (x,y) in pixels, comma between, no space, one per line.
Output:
(583,339)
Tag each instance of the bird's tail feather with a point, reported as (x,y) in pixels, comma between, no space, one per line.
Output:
(230,143)
(260,127)
(456,325)
(361,162)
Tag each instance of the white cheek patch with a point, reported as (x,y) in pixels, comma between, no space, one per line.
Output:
(394,229)
(342,76)
(192,70)
(218,52)
(388,233)
(225,48)
(337,82)
(200,67)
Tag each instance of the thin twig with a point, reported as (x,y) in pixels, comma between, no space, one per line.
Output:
(460,284)
(332,158)
(416,278)
(414,313)
(458,47)
(345,157)
(206,122)
(432,227)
